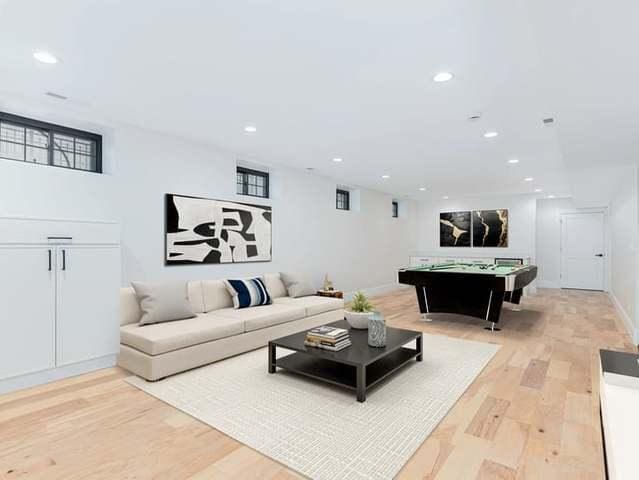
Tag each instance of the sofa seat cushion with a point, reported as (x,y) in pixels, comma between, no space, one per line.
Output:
(313,305)
(165,337)
(255,318)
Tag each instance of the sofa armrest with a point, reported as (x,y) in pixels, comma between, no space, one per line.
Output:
(129,307)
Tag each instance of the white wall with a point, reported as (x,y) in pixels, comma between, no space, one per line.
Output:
(521,230)
(624,235)
(357,249)
(51,192)
(360,249)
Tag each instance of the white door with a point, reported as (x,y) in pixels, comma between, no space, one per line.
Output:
(88,303)
(27,310)
(583,251)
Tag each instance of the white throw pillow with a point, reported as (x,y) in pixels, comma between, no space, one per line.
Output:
(163,302)
(297,286)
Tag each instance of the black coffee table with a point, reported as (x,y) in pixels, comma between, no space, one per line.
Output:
(358,367)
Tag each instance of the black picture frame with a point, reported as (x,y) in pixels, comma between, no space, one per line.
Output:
(184,251)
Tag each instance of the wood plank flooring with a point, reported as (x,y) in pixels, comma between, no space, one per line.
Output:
(532,414)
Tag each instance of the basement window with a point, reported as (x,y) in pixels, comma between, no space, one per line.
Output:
(252,182)
(343,199)
(32,141)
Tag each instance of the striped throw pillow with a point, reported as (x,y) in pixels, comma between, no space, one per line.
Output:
(249,292)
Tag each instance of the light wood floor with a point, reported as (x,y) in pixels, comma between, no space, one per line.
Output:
(532,413)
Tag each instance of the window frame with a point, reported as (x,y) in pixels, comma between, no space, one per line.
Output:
(249,171)
(51,129)
(347,196)
(395,204)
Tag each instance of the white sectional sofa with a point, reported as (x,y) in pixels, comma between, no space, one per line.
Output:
(218,331)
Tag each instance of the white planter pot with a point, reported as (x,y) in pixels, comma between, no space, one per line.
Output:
(358,320)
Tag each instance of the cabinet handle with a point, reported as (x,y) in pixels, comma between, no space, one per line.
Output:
(64,260)
(49,259)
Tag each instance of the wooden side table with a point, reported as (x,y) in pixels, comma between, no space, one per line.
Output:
(331,293)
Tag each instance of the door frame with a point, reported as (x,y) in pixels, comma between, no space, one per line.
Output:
(606,242)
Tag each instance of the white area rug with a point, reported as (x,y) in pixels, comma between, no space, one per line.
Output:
(322,431)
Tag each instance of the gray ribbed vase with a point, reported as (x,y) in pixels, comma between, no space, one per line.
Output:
(376,330)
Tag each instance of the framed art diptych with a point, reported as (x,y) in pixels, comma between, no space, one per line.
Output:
(479,228)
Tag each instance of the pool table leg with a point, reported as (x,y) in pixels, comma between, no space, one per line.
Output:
(495,302)
(493,328)
(422,299)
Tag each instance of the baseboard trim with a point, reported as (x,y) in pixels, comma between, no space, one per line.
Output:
(625,318)
(47,376)
(378,290)
(548,284)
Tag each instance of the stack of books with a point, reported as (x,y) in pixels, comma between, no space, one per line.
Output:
(328,338)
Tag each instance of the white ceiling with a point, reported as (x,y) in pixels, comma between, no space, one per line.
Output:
(353,79)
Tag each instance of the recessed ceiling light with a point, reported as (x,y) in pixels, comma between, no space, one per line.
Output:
(513,161)
(337,160)
(538,190)
(445,197)
(443,77)
(45,57)
(385,177)
(528,179)
(490,134)
(551,196)
(250,129)
(422,189)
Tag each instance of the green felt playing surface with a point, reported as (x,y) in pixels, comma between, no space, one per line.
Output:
(488,269)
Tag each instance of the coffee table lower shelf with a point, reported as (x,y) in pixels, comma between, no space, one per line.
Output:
(345,375)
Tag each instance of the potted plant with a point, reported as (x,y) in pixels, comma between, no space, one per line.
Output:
(358,311)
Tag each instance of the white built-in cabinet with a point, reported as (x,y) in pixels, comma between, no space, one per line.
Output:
(59,304)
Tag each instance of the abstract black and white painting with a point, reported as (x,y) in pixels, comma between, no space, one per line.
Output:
(490,228)
(454,229)
(200,230)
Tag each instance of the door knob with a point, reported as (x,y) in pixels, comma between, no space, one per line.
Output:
(599,254)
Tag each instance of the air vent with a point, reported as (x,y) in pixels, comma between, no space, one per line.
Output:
(548,121)
(56,95)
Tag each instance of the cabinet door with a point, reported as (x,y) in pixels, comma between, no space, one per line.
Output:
(88,303)
(27,310)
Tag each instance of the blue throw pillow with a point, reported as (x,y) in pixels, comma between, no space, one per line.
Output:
(249,292)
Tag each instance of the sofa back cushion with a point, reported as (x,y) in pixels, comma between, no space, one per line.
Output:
(297,286)
(215,295)
(196,296)
(274,285)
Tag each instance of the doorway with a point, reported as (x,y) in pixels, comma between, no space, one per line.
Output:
(583,250)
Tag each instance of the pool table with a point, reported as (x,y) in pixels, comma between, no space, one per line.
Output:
(477,290)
